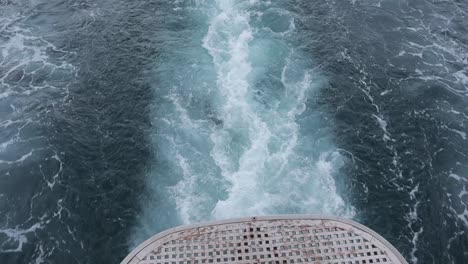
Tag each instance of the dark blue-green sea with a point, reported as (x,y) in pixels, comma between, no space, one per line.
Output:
(120,119)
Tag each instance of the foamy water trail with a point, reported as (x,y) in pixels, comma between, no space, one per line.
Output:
(238,131)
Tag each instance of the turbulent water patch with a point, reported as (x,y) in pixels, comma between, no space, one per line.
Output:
(237,128)
(397,88)
(34,77)
(70,143)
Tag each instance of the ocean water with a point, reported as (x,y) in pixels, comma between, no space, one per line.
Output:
(119,119)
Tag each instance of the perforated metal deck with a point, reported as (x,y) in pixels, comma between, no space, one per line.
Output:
(262,240)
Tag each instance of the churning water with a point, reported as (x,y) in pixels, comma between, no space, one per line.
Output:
(120,119)
(232,123)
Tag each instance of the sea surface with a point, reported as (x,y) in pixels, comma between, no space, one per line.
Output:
(119,119)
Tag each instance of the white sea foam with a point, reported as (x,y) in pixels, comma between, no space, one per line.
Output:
(25,54)
(234,132)
(383,125)
(413,218)
(18,236)
(30,69)
(268,176)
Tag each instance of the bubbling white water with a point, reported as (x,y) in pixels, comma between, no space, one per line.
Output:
(268,175)
(238,131)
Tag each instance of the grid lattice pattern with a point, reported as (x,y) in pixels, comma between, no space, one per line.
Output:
(281,241)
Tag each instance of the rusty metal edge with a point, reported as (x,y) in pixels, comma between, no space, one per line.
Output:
(132,257)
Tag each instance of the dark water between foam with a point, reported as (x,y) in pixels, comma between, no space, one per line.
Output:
(120,119)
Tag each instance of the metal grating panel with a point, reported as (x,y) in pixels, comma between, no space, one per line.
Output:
(265,240)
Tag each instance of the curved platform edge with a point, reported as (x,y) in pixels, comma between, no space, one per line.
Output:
(139,252)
